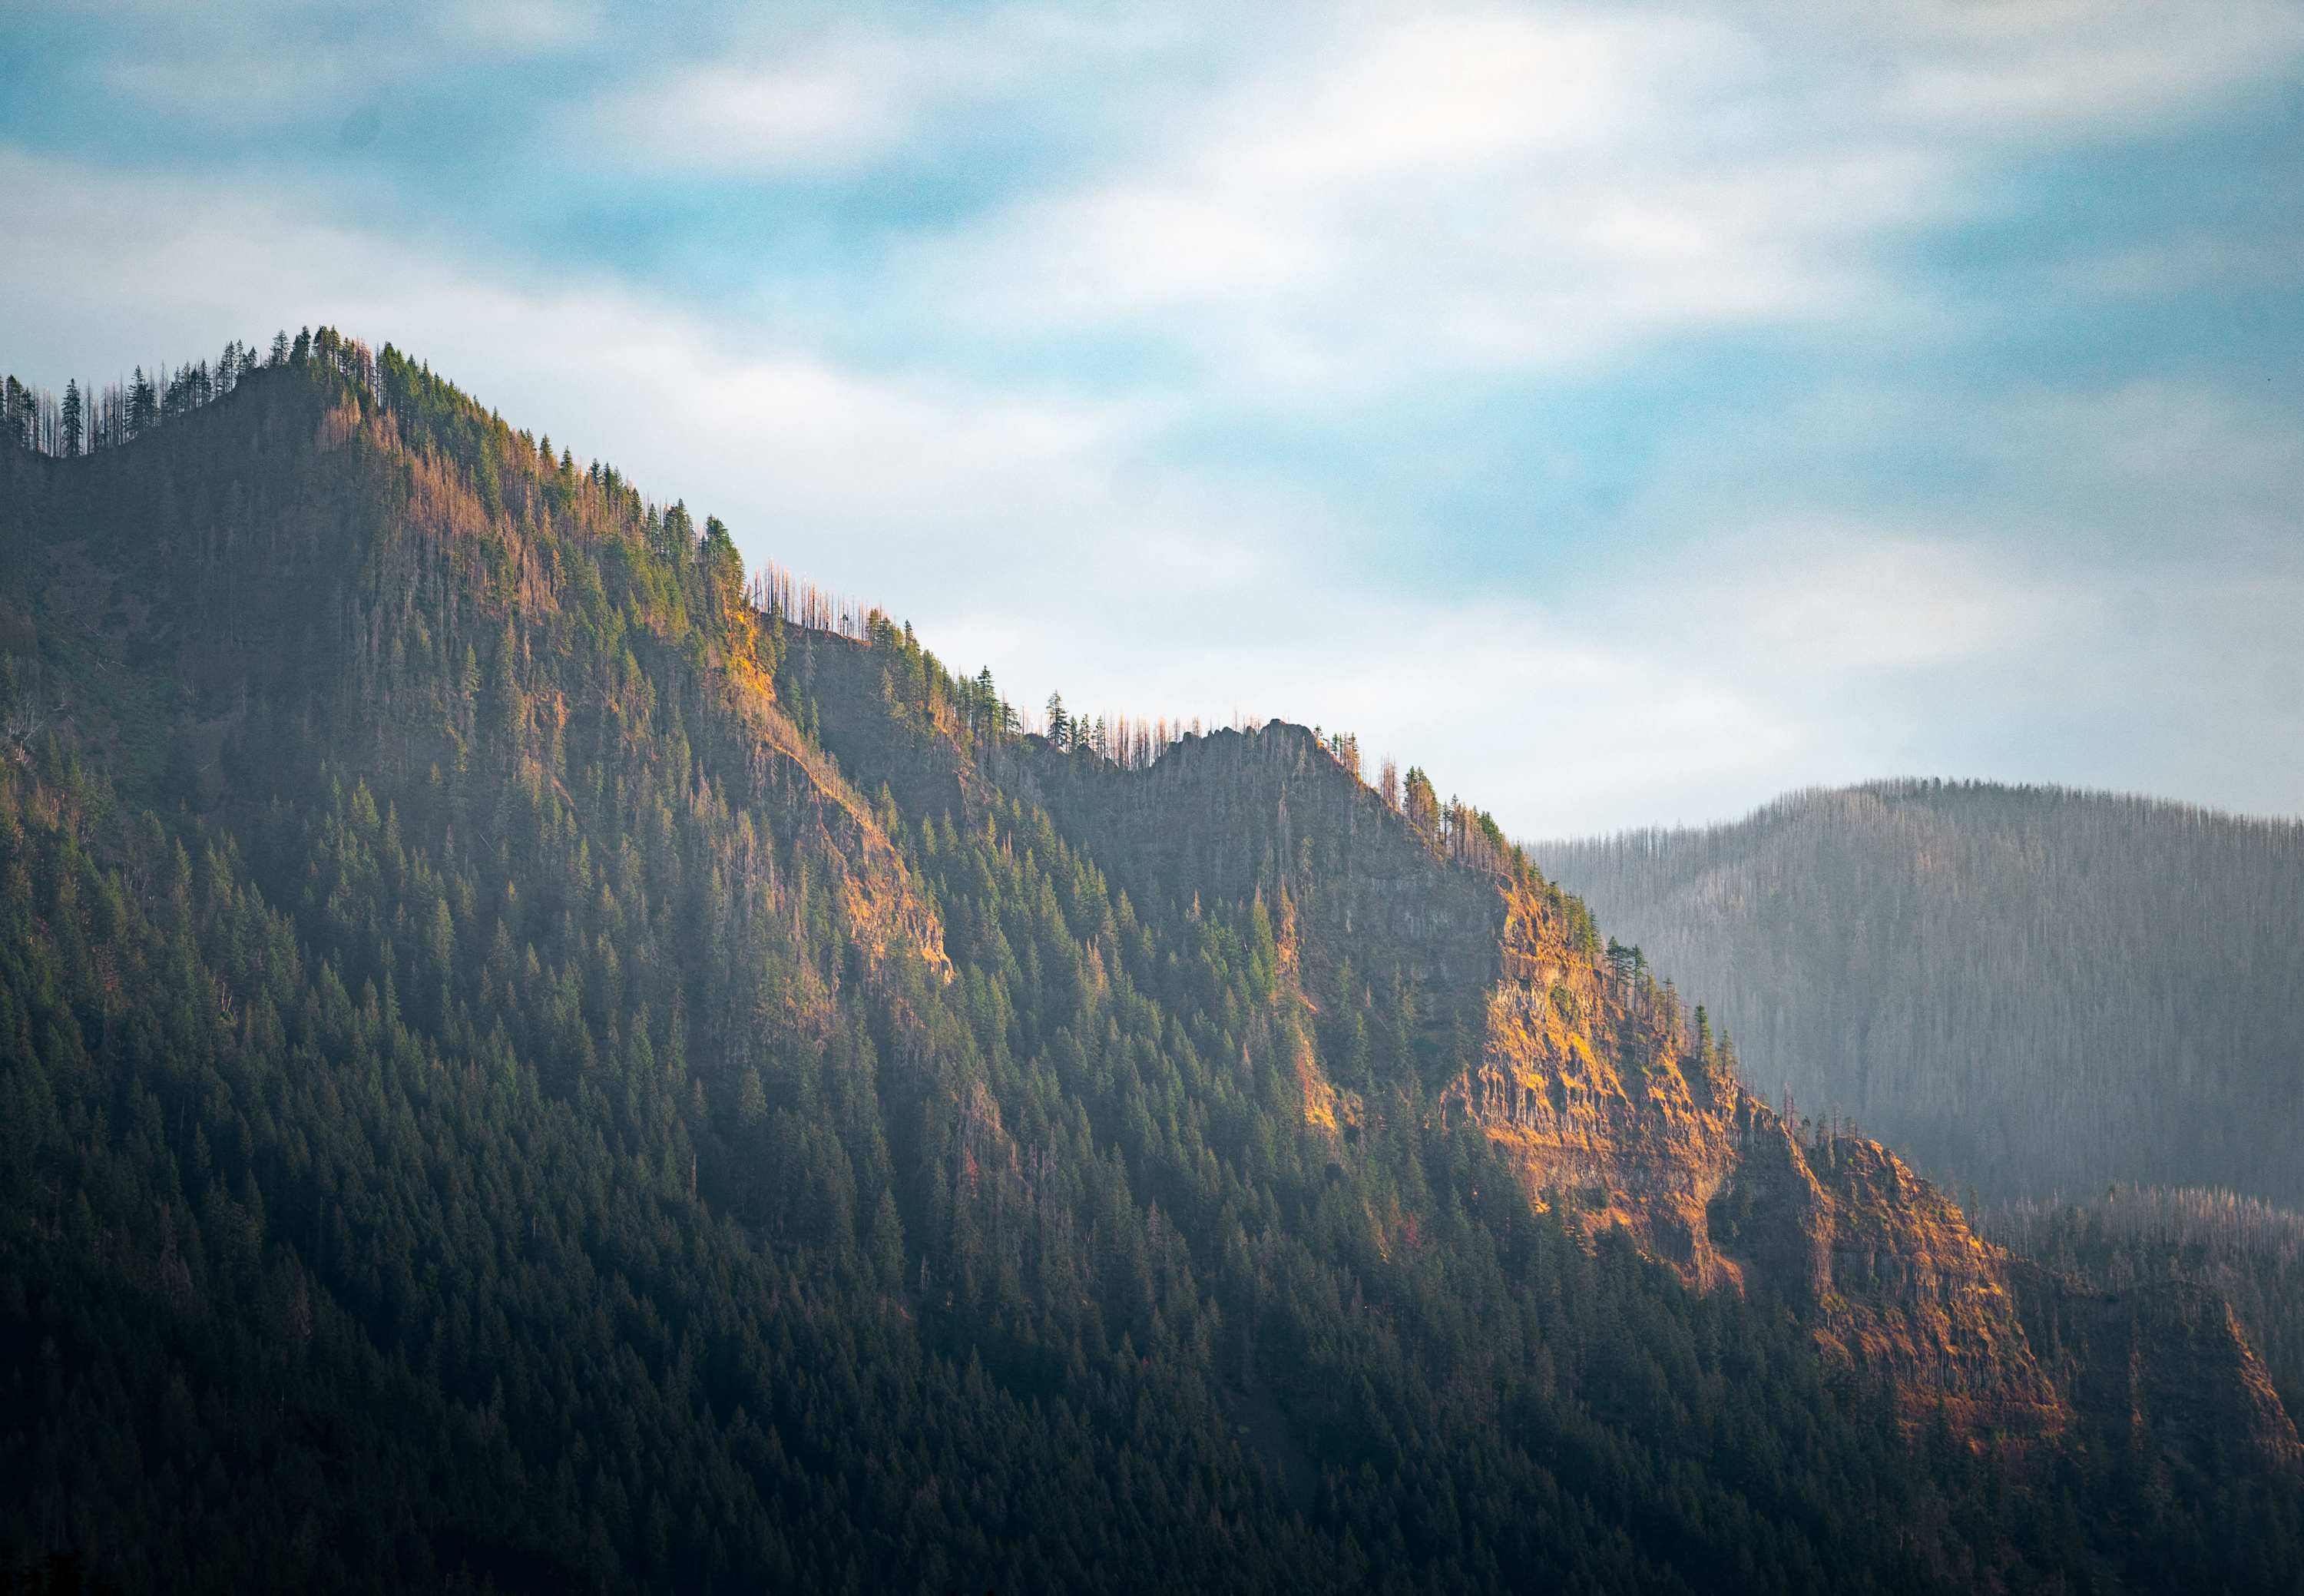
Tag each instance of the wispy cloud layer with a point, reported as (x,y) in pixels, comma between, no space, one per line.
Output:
(1627,411)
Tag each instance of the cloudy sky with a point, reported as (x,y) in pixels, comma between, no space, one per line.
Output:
(1629,411)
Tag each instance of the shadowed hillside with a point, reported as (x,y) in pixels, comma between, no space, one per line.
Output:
(2248,1251)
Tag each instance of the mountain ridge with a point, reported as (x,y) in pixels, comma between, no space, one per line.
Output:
(2033,989)
(1896,1282)
(478,982)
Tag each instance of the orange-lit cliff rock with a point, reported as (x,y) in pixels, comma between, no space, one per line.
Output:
(1585,1076)
(1611,1114)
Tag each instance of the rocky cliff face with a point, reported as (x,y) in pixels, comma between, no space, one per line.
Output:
(1613,1115)
(1894,1283)
(1588,1081)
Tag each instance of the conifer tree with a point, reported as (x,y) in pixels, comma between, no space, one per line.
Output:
(143,407)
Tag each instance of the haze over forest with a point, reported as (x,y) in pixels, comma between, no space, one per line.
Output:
(2030,992)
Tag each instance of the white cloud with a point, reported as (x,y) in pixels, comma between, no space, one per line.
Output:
(1784,603)
(2060,65)
(802,114)
(794,97)
(2183,452)
(932,494)
(1435,190)
(1391,204)
(1472,188)
(521,27)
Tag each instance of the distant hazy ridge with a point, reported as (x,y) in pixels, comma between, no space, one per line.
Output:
(2029,989)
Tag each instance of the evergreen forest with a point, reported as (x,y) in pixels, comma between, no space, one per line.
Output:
(535,1059)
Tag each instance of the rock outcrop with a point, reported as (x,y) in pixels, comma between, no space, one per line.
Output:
(1588,1082)
(1611,1107)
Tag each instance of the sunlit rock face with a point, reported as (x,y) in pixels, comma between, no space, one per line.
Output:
(1613,1114)
(1610,1105)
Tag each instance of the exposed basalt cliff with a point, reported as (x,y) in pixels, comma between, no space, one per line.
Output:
(1589,1093)
(1613,1114)
(1586,1077)
(1894,1283)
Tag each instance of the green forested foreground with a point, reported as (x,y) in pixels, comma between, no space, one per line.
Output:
(481,1101)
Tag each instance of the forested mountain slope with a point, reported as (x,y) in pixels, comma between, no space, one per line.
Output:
(2249,1252)
(2026,990)
(521,1068)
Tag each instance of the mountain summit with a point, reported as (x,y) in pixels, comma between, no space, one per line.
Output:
(532,1061)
